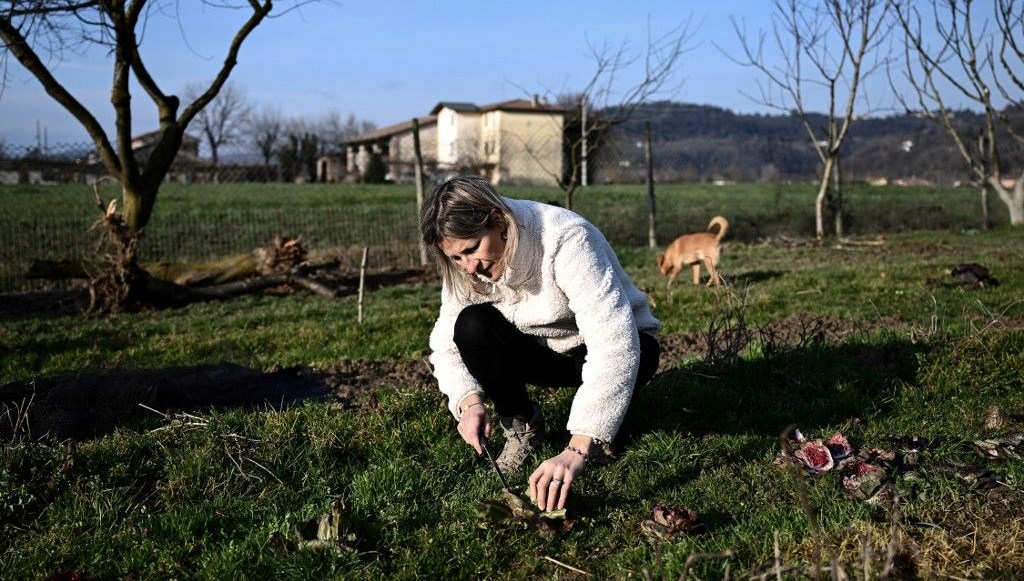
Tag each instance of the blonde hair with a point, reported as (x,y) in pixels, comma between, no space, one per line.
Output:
(465,207)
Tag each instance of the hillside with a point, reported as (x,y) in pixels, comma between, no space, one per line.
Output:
(703,143)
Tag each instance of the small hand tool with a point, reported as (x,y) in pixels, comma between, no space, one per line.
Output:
(487,450)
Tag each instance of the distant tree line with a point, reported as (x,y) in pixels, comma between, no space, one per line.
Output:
(692,143)
(697,143)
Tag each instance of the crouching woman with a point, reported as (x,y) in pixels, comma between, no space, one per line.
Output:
(533,294)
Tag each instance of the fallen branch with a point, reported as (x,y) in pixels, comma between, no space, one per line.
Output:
(177,284)
(569,567)
(279,256)
(313,286)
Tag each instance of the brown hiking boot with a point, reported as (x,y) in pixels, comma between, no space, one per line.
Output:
(521,437)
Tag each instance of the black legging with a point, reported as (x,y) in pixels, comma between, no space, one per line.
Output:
(504,359)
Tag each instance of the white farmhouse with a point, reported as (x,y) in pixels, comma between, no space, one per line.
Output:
(511,142)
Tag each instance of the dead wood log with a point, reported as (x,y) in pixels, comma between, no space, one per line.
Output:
(171,293)
(279,264)
(182,273)
(231,268)
(281,255)
(313,286)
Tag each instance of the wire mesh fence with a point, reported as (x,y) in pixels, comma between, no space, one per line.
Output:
(338,234)
(207,213)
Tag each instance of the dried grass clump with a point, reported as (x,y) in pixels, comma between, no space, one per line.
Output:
(984,539)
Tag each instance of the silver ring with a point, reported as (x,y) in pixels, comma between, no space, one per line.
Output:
(554,480)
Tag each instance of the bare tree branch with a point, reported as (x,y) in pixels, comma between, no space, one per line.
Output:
(836,38)
(602,102)
(16,43)
(965,61)
(32,29)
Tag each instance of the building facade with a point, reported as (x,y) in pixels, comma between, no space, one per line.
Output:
(511,142)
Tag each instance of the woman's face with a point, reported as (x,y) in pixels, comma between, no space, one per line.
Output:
(477,256)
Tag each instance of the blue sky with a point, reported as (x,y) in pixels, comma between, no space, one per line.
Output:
(386,61)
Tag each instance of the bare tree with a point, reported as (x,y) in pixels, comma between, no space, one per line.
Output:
(39,32)
(603,102)
(979,60)
(832,45)
(297,151)
(263,131)
(334,133)
(222,121)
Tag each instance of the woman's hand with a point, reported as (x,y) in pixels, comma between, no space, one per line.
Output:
(474,421)
(550,482)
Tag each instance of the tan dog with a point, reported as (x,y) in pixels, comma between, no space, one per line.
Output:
(694,250)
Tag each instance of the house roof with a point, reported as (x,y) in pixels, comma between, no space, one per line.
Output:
(522,105)
(455,106)
(518,105)
(144,139)
(391,130)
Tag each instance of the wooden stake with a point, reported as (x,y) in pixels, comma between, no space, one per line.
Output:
(418,167)
(362,281)
(652,235)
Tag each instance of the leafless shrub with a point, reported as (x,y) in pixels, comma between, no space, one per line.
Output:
(727,334)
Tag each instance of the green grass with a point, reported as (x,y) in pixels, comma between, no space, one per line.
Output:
(903,352)
(203,221)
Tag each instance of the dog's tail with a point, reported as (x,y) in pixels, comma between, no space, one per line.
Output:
(723,227)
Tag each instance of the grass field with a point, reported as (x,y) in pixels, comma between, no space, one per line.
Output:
(871,338)
(200,222)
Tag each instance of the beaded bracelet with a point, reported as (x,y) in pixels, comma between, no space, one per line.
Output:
(578,451)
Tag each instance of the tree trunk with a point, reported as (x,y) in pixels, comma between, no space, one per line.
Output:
(819,202)
(568,196)
(138,207)
(837,199)
(1014,200)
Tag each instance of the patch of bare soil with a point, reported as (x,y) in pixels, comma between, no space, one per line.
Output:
(90,405)
(71,297)
(797,330)
(48,302)
(352,383)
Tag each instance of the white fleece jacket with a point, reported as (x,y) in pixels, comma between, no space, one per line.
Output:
(566,287)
